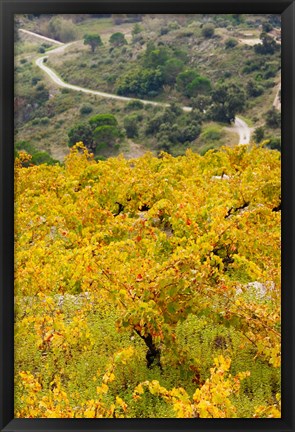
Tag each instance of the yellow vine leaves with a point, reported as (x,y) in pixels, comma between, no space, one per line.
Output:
(159,239)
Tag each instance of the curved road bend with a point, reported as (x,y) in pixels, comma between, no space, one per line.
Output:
(243,130)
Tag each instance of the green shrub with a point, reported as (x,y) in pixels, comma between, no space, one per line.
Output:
(185,78)
(171,69)
(105,136)
(131,125)
(60,122)
(141,82)
(117,39)
(44,121)
(102,120)
(35,80)
(188,133)
(273,118)
(46,45)
(39,158)
(134,105)
(40,87)
(26,146)
(80,132)
(186,33)
(268,46)
(199,85)
(208,30)
(41,94)
(274,144)
(190,83)
(137,28)
(267,27)
(173,25)
(231,43)
(258,134)
(212,133)
(86,109)
(111,78)
(227,74)
(254,89)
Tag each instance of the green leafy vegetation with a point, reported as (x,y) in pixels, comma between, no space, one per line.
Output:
(167,69)
(38,157)
(118,39)
(208,30)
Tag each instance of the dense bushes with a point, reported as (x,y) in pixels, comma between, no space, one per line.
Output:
(258,134)
(273,118)
(131,125)
(61,29)
(100,132)
(81,132)
(227,101)
(141,83)
(268,45)
(171,127)
(104,136)
(102,120)
(254,89)
(37,157)
(191,84)
(171,70)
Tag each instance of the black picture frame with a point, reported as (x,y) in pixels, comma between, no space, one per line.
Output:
(7,10)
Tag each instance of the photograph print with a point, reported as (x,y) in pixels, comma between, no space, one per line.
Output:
(147,165)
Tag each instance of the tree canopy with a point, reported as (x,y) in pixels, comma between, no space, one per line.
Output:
(228,100)
(118,39)
(94,40)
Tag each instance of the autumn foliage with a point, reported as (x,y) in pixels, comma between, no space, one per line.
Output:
(153,243)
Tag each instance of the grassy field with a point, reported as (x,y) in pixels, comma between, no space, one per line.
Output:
(83,369)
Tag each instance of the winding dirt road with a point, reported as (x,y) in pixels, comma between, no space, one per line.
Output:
(55,78)
(240,127)
(277,102)
(243,130)
(41,37)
